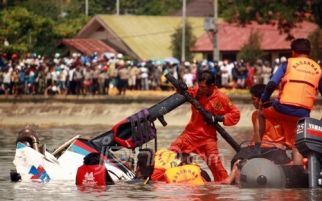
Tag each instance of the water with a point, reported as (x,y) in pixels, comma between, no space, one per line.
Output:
(53,137)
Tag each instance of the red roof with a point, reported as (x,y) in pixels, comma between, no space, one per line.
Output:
(88,46)
(231,37)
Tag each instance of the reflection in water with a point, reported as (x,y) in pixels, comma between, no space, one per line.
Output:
(58,190)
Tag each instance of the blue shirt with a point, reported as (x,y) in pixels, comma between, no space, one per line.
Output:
(286,109)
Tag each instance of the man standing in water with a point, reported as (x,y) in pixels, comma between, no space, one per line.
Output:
(199,135)
(299,79)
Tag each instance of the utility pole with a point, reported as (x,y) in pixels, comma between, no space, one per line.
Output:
(183,38)
(117,7)
(215,40)
(86,7)
(61,8)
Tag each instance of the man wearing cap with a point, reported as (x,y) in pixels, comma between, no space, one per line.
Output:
(299,79)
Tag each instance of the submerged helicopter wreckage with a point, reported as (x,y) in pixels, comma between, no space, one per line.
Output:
(33,162)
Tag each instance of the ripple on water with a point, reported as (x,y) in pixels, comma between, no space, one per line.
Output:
(67,191)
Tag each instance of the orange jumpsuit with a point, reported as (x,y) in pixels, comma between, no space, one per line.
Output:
(288,124)
(273,136)
(200,137)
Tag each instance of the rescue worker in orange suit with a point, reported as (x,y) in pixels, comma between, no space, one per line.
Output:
(199,136)
(93,173)
(273,137)
(270,146)
(299,79)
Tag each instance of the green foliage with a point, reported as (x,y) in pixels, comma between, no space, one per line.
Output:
(45,8)
(39,24)
(316,44)
(150,7)
(317,11)
(9,3)
(285,12)
(70,27)
(65,9)
(251,51)
(95,7)
(56,9)
(15,27)
(25,31)
(176,41)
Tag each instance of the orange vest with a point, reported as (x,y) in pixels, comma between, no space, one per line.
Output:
(300,82)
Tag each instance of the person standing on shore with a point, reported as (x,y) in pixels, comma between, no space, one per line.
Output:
(123,78)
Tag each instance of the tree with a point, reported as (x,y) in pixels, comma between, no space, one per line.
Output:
(176,39)
(251,51)
(25,31)
(148,7)
(96,7)
(284,12)
(45,8)
(72,8)
(9,3)
(68,28)
(316,43)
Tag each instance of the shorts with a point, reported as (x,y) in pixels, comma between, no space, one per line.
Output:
(288,124)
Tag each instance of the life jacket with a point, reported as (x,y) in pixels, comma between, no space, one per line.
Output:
(91,175)
(300,82)
(166,168)
(190,174)
(165,159)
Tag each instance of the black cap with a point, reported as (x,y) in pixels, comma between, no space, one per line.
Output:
(92,159)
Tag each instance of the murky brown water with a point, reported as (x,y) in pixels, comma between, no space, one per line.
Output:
(67,191)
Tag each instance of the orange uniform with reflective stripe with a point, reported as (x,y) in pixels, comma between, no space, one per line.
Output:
(300,82)
(200,137)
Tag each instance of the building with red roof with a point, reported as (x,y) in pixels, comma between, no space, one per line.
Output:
(232,37)
(87,46)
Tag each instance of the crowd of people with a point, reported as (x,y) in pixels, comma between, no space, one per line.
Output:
(100,74)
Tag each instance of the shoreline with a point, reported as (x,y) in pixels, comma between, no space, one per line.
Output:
(80,99)
(101,111)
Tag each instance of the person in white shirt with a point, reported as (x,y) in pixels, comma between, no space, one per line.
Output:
(188,77)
